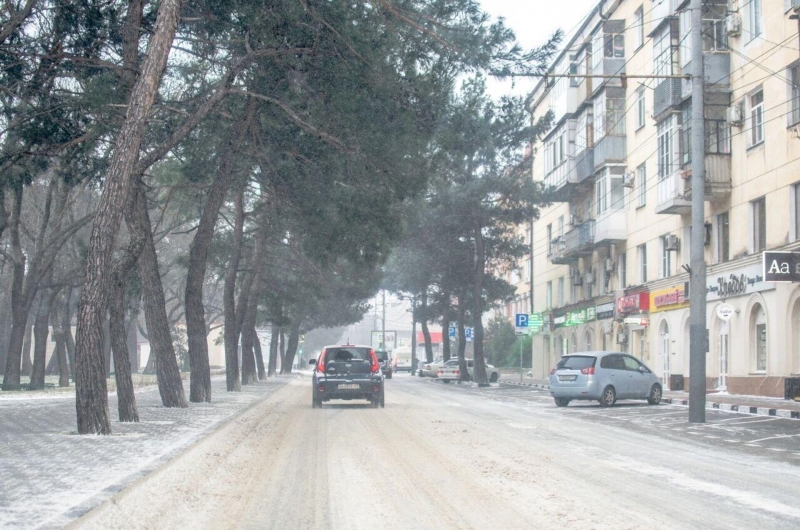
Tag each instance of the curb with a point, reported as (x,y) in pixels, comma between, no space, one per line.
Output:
(742,409)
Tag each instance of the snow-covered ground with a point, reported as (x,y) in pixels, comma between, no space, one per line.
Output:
(49,475)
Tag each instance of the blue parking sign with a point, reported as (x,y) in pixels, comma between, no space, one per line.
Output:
(451,331)
(469,334)
(522,320)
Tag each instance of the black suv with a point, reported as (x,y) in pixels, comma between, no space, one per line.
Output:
(347,372)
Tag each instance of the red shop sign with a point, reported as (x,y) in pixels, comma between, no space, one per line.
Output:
(633,302)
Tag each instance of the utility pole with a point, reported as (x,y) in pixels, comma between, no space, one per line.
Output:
(413,335)
(531,291)
(697,273)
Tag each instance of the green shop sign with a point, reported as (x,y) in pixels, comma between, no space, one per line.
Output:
(576,317)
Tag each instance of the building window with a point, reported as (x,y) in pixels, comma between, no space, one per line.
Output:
(759,213)
(758,345)
(665,148)
(685,136)
(666,255)
(642,249)
(600,117)
(723,237)
(601,195)
(794,94)
(663,57)
(583,133)
(560,225)
(638,28)
(756,117)
(640,108)
(623,270)
(641,185)
(754,18)
(548,296)
(609,192)
(796,211)
(550,242)
(714,37)
(561,291)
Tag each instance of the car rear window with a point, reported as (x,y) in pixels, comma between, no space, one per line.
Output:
(575,362)
(382,355)
(347,354)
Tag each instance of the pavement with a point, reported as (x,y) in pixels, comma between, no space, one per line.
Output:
(758,405)
(49,475)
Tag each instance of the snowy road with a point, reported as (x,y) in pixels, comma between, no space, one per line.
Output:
(450,457)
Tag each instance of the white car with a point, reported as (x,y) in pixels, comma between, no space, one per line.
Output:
(430,369)
(450,371)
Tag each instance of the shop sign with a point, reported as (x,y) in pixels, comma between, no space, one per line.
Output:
(604,311)
(575,317)
(665,299)
(781,266)
(636,321)
(725,312)
(740,282)
(633,302)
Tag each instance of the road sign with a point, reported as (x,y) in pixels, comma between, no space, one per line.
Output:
(469,334)
(451,332)
(781,266)
(522,320)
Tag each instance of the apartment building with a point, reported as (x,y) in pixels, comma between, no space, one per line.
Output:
(609,253)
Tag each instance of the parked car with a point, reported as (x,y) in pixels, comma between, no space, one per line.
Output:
(385,361)
(604,376)
(430,369)
(347,372)
(450,371)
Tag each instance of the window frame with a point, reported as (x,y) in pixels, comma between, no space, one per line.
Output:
(794,93)
(723,237)
(641,186)
(755,117)
(638,28)
(642,250)
(666,258)
(641,108)
(755,21)
(758,209)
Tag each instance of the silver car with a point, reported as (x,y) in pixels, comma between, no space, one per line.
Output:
(449,371)
(604,376)
(430,369)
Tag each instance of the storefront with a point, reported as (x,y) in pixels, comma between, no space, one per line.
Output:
(631,337)
(669,341)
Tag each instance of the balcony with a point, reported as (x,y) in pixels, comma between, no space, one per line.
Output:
(667,95)
(611,226)
(718,177)
(574,244)
(675,191)
(609,149)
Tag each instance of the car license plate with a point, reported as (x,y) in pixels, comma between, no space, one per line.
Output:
(354,386)
(567,377)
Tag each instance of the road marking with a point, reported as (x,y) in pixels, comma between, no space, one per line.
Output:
(776,437)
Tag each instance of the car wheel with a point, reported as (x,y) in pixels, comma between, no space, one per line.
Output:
(383,403)
(494,377)
(561,402)
(655,395)
(389,375)
(609,397)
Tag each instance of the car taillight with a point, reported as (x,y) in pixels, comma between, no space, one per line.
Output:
(455,372)
(321,388)
(376,366)
(375,388)
(440,372)
(588,371)
(321,361)
(552,371)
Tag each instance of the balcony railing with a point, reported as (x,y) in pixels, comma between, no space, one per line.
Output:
(574,243)
(675,191)
(611,225)
(671,195)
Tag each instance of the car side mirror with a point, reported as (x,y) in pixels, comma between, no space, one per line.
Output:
(312,361)
(642,369)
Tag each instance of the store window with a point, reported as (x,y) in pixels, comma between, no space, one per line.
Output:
(723,237)
(758,330)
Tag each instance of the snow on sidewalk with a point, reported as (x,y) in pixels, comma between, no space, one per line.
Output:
(49,475)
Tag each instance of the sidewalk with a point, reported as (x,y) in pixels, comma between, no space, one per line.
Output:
(50,476)
(760,405)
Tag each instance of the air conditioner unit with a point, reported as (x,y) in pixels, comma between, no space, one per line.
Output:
(629,181)
(609,265)
(574,272)
(577,280)
(733,24)
(734,115)
(671,243)
(574,220)
(589,278)
(622,338)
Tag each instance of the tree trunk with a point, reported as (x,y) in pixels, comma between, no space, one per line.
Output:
(60,353)
(426,333)
(200,383)
(477,307)
(91,394)
(66,324)
(446,326)
(231,328)
(126,399)
(107,343)
(291,348)
(19,314)
(272,367)
(262,374)
(282,350)
(40,332)
(462,342)
(249,372)
(162,358)
(131,331)
(27,346)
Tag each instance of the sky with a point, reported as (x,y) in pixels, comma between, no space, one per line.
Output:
(533,21)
